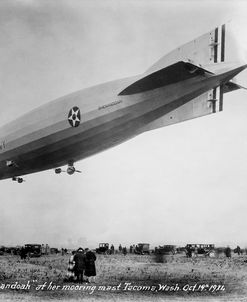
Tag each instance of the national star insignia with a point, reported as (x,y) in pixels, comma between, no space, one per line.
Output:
(74,117)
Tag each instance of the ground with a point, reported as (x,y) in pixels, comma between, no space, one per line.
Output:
(126,278)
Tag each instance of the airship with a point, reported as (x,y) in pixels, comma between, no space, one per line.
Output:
(187,83)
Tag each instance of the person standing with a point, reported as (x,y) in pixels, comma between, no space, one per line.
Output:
(124,251)
(80,264)
(228,252)
(120,248)
(71,267)
(23,253)
(131,249)
(238,250)
(90,270)
(112,249)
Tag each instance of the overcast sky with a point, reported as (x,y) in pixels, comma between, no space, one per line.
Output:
(179,184)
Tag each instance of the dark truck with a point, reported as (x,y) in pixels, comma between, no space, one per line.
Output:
(199,249)
(142,248)
(103,248)
(165,250)
(33,250)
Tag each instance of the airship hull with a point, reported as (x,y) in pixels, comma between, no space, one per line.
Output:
(46,142)
(188,82)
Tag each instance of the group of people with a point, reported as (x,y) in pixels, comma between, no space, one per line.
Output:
(82,266)
(122,250)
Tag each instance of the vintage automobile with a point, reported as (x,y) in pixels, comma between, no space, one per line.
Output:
(33,250)
(165,250)
(103,248)
(142,248)
(200,249)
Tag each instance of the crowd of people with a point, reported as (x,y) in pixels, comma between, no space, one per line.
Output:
(81,267)
(123,249)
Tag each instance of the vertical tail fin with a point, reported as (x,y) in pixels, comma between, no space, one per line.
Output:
(216,51)
(207,49)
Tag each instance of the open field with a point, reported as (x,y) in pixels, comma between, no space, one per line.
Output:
(126,278)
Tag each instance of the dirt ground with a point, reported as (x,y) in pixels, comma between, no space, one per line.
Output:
(126,278)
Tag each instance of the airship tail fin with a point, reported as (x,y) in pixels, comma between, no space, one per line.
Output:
(203,91)
(207,49)
(207,103)
(213,53)
(217,50)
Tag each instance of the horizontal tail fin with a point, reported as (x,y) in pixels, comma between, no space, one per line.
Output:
(174,73)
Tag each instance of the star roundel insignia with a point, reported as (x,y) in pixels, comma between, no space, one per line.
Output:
(74,117)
